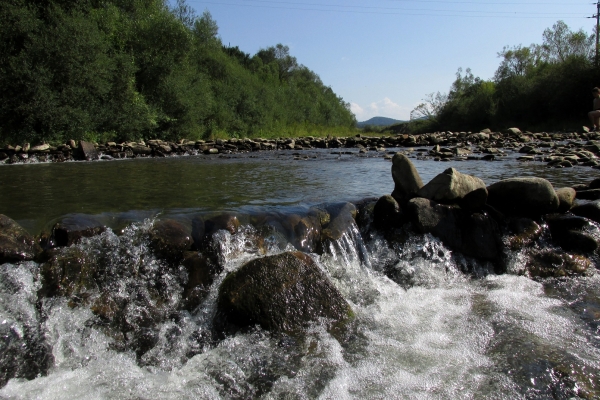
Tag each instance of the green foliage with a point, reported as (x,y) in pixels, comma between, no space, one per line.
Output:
(542,86)
(133,69)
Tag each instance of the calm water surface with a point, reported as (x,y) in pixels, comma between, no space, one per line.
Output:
(36,195)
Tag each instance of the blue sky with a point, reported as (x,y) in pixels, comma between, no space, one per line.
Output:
(384,56)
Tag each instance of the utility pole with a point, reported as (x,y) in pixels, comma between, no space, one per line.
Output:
(597,16)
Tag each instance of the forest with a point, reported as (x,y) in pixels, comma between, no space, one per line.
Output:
(142,69)
(543,86)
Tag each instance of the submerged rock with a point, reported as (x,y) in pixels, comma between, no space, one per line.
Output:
(282,293)
(406,179)
(16,244)
(524,231)
(548,263)
(523,197)
(68,271)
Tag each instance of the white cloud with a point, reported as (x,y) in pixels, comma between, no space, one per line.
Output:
(381,108)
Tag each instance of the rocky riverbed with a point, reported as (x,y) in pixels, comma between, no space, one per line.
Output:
(558,150)
(136,281)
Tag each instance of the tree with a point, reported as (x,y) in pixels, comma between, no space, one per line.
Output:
(432,105)
(560,43)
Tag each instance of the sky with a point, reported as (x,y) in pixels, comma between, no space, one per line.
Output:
(384,56)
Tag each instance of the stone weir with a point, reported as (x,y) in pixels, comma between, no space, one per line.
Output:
(170,265)
(558,150)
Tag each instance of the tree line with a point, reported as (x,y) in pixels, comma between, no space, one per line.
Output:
(141,69)
(542,86)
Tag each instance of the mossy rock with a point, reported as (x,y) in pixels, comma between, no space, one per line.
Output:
(548,263)
(281,293)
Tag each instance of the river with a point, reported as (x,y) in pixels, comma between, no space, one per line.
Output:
(446,334)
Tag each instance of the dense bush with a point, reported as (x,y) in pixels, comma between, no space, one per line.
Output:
(132,69)
(545,86)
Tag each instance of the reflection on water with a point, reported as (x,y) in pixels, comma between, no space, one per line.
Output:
(37,194)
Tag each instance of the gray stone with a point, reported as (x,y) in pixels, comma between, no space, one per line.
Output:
(589,210)
(524,196)
(87,151)
(406,179)
(566,198)
(282,293)
(452,186)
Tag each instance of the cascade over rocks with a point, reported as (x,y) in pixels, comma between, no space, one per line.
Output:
(342,219)
(16,244)
(406,179)
(525,197)
(170,239)
(282,293)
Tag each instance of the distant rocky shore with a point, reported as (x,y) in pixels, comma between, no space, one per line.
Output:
(558,150)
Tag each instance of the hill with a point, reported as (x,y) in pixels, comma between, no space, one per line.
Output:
(378,121)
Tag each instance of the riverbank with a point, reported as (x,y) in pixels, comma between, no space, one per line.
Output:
(558,150)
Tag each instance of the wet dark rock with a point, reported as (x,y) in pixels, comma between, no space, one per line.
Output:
(281,293)
(306,232)
(387,213)
(595,184)
(567,232)
(566,199)
(406,179)
(70,230)
(590,194)
(342,219)
(201,274)
(169,239)
(226,221)
(68,271)
(524,231)
(452,187)
(86,151)
(589,210)
(548,263)
(524,197)
(198,232)
(16,244)
(473,234)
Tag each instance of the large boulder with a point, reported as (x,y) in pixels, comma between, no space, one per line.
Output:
(406,179)
(16,244)
(86,151)
(473,234)
(524,197)
(453,187)
(282,293)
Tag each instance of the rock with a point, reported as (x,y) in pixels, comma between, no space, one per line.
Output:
(16,244)
(70,230)
(514,131)
(170,239)
(386,213)
(589,210)
(68,271)
(566,199)
(40,148)
(475,235)
(342,219)
(547,263)
(201,274)
(595,184)
(141,150)
(306,232)
(406,179)
(198,231)
(567,232)
(282,293)
(590,194)
(525,197)
(525,231)
(87,151)
(226,221)
(452,187)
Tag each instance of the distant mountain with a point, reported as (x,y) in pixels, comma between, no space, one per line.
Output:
(378,121)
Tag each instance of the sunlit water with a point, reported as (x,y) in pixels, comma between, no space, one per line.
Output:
(433,332)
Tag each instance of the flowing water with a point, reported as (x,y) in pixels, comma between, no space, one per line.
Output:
(424,328)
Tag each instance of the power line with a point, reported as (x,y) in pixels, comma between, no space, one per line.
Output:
(416,1)
(410,9)
(520,15)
